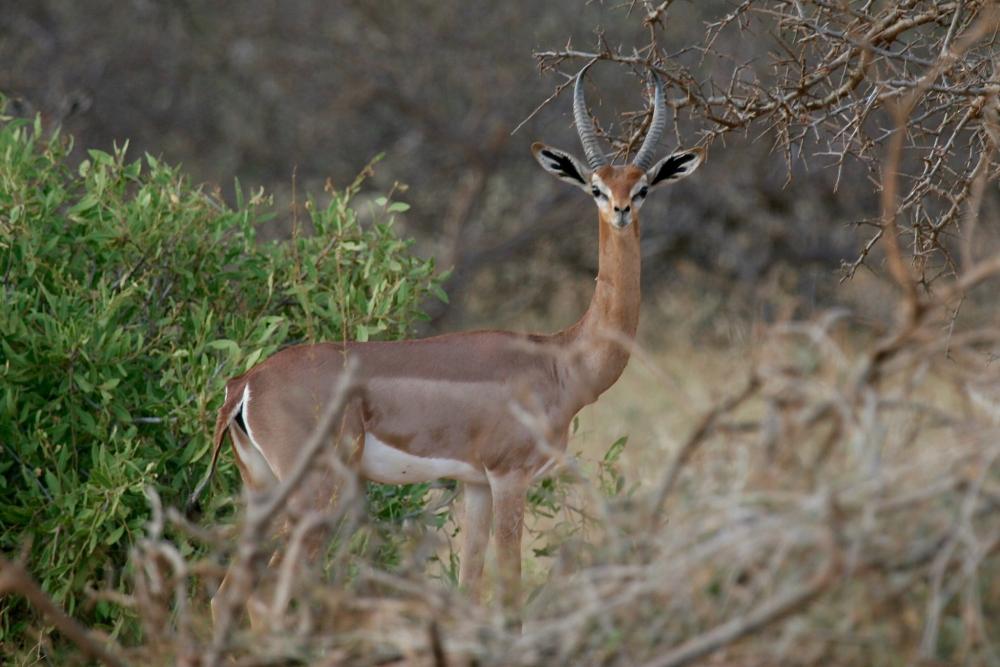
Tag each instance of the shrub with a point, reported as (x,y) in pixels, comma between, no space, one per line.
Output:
(128,297)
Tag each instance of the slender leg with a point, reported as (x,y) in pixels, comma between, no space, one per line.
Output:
(509,492)
(316,492)
(478,516)
(303,540)
(257,608)
(257,476)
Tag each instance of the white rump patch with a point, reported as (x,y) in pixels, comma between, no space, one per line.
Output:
(247,455)
(262,477)
(386,464)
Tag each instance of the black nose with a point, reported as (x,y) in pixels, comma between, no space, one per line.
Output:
(620,210)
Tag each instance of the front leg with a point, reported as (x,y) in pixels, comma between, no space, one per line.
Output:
(476,525)
(509,490)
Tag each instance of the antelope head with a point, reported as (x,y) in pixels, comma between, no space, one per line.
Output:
(618,191)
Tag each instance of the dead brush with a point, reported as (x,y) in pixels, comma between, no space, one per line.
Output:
(813,517)
(838,506)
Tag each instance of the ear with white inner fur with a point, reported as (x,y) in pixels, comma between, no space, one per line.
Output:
(561,164)
(674,167)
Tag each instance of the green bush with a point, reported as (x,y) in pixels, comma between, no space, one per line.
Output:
(127,297)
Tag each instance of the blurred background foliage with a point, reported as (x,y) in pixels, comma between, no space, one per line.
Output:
(291,94)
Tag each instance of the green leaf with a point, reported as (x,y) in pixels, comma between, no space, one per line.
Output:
(615,450)
(52,482)
(252,359)
(88,202)
(83,383)
(115,535)
(230,346)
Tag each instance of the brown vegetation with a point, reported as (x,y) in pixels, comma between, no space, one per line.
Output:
(838,505)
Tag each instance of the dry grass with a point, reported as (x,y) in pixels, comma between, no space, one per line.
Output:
(820,490)
(797,498)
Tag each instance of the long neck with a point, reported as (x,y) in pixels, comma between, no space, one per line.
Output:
(605,332)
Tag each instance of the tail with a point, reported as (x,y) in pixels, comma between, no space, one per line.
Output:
(230,406)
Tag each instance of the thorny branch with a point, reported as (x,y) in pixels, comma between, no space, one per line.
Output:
(825,81)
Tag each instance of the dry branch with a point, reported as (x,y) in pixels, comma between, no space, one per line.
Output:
(832,80)
(14,579)
(770,611)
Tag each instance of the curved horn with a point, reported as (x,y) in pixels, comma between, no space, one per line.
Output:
(584,125)
(644,158)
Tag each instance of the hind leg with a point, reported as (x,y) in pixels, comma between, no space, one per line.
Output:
(257,477)
(509,495)
(476,526)
(312,511)
(306,532)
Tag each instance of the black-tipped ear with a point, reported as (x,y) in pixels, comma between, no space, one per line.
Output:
(675,167)
(562,164)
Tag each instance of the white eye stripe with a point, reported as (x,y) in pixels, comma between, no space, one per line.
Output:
(598,191)
(640,190)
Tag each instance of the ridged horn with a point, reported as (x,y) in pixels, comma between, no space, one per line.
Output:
(584,125)
(644,158)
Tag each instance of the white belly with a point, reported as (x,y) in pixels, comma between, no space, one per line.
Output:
(388,465)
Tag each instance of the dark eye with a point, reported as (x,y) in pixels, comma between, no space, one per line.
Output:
(643,191)
(597,192)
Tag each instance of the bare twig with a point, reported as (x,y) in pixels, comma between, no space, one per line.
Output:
(15,579)
(770,611)
(698,436)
